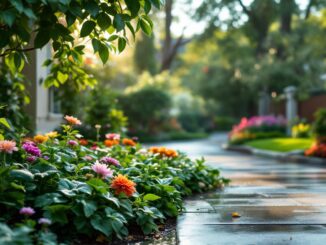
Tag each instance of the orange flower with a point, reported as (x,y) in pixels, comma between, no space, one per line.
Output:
(109,143)
(171,153)
(40,138)
(73,120)
(83,142)
(121,184)
(154,149)
(163,151)
(129,142)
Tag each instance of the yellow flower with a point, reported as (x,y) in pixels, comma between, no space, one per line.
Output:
(40,138)
(52,134)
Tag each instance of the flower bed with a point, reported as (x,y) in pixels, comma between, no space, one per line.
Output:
(257,127)
(61,187)
(317,150)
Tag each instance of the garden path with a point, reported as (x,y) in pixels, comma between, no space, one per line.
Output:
(279,203)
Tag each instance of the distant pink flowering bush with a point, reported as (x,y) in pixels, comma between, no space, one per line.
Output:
(257,127)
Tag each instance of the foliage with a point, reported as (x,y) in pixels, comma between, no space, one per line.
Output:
(281,144)
(319,127)
(145,108)
(71,184)
(301,130)
(104,22)
(259,46)
(144,55)
(257,127)
(223,123)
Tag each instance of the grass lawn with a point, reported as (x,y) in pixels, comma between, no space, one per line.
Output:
(281,144)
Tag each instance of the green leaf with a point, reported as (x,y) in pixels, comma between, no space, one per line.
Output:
(92,8)
(104,53)
(145,26)
(118,22)
(112,38)
(121,44)
(18,5)
(4,122)
(62,77)
(8,16)
(104,21)
(132,30)
(96,44)
(156,3)
(87,28)
(147,6)
(151,197)
(89,207)
(22,174)
(70,18)
(133,6)
(42,38)
(102,225)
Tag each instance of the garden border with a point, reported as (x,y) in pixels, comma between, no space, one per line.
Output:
(292,156)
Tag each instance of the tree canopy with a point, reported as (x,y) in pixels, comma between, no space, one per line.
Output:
(69,25)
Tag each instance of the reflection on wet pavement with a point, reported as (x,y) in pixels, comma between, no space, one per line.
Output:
(279,203)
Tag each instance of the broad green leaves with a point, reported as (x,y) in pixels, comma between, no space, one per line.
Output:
(91,19)
(87,28)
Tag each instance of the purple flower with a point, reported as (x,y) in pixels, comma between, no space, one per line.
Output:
(46,157)
(134,138)
(110,160)
(27,211)
(102,170)
(31,159)
(44,221)
(72,143)
(31,148)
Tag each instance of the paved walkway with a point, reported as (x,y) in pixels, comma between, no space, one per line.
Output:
(279,203)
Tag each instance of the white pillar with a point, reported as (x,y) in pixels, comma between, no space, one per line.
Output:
(39,108)
(291,107)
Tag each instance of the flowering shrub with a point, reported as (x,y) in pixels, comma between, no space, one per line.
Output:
(317,150)
(301,130)
(65,187)
(257,127)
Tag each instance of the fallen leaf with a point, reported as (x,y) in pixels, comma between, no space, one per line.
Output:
(236,215)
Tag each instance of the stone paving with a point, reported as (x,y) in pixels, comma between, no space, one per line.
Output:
(279,203)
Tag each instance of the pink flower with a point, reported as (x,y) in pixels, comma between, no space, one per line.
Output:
(110,160)
(8,146)
(31,159)
(88,158)
(102,170)
(112,136)
(44,221)
(72,143)
(72,120)
(27,211)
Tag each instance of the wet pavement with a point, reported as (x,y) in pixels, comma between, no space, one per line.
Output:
(279,203)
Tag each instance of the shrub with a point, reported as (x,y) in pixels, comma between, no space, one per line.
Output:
(87,190)
(301,130)
(224,123)
(319,127)
(146,108)
(257,127)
